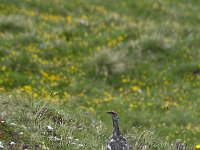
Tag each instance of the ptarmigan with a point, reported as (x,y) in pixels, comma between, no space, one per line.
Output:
(116,140)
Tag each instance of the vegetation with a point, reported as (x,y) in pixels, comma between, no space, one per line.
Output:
(140,58)
(28,121)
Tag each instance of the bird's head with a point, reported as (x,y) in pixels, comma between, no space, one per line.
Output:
(112,113)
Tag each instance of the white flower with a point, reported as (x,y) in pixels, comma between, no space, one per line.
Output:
(80,145)
(70,138)
(12,143)
(73,143)
(50,128)
(44,147)
(1,144)
(13,124)
(77,140)
(57,139)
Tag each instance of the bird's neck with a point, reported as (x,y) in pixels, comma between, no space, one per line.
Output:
(116,130)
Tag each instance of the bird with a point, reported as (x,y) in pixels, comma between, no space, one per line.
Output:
(25,147)
(180,146)
(116,140)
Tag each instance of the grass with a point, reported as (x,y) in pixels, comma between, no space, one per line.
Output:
(30,121)
(140,58)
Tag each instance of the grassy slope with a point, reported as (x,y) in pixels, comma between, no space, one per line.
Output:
(26,121)
(140,58)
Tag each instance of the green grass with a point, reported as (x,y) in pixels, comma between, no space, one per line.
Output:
(25,121)
(140,58)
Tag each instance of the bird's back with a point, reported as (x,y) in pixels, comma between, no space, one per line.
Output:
(117,143)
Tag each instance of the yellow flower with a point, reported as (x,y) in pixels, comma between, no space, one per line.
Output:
(135,88)
(3,68)
(198,65)
(112,42)
(50,77)
(35,95)
(125,80)
(67,95)
(198,77)
(53,78)
(120,38)
(91,109)
(74,69)
(69,19)
(133,106)
(31,13)
(198,146)
(28,88)
(53,18)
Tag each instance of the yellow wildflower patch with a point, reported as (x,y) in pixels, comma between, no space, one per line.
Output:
(28,89)
(198,146)
(69,19)
(135,88)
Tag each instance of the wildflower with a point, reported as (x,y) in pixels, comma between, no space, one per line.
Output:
(74,69)
(91,109)
(12,143)
(120,38)
(80,145)
(13,124)
(112,42)
(73,143)
(135,88)
(31,13)
(132,106)
(198,146)
(44,146)
(3,68)
(77,140)
(125,80)
(49,128)
(1,145)
(28,88)
(70,138)
(54,138)
(69,19)
(57,139)
(35,95)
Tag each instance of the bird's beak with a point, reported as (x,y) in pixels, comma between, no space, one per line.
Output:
(108,112)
